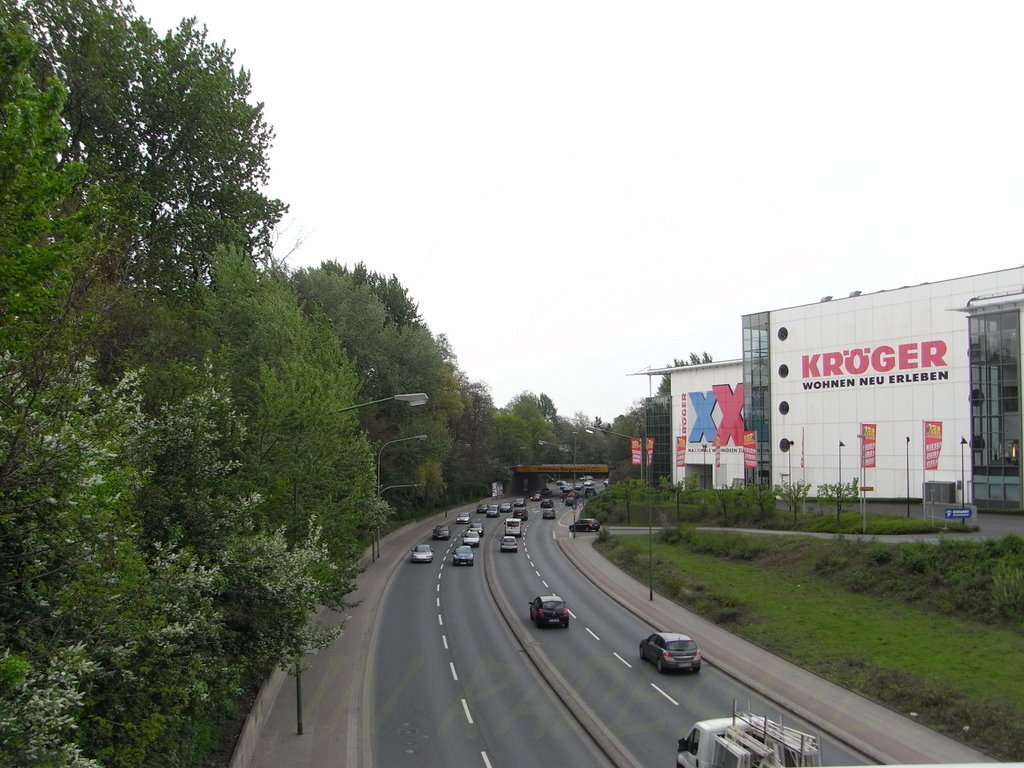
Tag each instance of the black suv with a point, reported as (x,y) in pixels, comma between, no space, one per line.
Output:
(547,610)
(585,524)
(442,532)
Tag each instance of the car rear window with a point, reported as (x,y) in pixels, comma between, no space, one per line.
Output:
(553,605)
(682,645)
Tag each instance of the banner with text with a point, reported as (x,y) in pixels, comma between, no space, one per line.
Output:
(681,451)
(749,450)
(718,451)
(932,444)
(869,433)
(650,451)
(636,449)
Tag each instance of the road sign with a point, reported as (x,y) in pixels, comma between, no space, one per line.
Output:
(957,513)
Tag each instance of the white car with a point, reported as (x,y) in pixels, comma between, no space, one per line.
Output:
(509,544)
(422,553)
(471,539)
(462,518)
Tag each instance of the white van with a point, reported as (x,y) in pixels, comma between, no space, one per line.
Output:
(514,527)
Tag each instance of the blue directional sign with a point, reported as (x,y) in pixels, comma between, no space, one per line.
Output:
(956,513)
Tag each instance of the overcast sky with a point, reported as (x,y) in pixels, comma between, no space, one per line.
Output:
(575,191)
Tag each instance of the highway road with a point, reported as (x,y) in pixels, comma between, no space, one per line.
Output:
(455,680)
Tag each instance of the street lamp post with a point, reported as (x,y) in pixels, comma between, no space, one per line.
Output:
(839,490)
(376,534)
(963,482)
(908,475)
(650,514)
(412,399)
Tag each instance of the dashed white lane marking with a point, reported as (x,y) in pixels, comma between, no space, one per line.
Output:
(664,694)
(622,659)
(465,708)
(573,614)
(591,633)
(439,602)
(440,620)
(487,762)
(444,639)
(545,584)
(451,665)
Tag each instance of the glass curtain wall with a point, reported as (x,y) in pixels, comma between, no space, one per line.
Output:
(995,410)
(757,393)
(659,426)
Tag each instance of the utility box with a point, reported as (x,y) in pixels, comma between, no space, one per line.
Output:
(940,492)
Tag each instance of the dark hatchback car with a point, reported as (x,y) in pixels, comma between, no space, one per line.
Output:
(585,524)
(481,508)
(492,510)
(442,532)
(549,610)
(462,556)
(671,650)
(547,504)
(505,506)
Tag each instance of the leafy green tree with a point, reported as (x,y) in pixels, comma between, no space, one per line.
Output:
(794,495)
(167,131)
(839,494)
(665,385)
(43,240)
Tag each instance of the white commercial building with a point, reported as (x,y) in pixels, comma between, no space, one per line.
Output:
(911,391)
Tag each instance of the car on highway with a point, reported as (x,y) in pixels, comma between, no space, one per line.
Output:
(471,538)
(462,518)
(492,510)
(547,504)
(535,496)
(422,553)
(589,491)
(462,555)
(442,532)
(545,492)
(549,610)
(523,514)
(505,506)
(671,650)
(570,500)
(520,502)
(548,513)
(478,527)
(509,544)
(585,525)
(481,508)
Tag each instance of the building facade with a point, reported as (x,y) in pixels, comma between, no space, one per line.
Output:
(906,391)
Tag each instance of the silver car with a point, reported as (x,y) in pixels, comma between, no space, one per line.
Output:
(670,650)
(471,539)
(422,553)
(509,544)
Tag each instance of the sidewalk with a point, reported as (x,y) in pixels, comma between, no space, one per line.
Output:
(872,729)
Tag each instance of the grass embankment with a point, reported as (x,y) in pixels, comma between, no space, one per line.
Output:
(925,628)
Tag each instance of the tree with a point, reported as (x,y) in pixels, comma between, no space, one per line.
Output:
(838,494)
(168,134)
(43,239)
(665,385)
(794,495)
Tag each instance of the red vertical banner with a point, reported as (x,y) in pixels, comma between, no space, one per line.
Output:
(681,451)
(650,451)
(749,450)
(634,444)
(932,444)
(869,433)
(718,451)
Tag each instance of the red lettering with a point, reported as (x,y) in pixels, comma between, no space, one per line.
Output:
(810,366)
(908,356)
(731,405)
(883,359)
(832,364)
(933,354)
